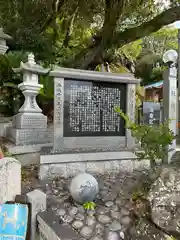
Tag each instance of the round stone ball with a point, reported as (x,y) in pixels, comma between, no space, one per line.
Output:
(84,188)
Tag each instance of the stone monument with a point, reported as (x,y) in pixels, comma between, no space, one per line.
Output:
(84,188)
(170,96)
(29,126)
(88,133)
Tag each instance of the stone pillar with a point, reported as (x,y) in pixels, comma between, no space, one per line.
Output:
(58,113)
(29,126)
(37,199)
(170,96)
(130,111)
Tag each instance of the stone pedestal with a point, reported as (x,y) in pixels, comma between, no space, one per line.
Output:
(29,126)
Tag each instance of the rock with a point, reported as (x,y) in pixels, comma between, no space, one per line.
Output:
(68,219)
(91,212)
(104,219)
(80,216)
(109,196)
(164,198)
(77,224)
(122,235)
(124,212)
(86,232)
(115,215)
(114,208)
(109,204)
(102,210)
(91,221)
(112,236)
(84,188)
(115,226)
(99,229)
(61,212)
(126,221)
(73,211)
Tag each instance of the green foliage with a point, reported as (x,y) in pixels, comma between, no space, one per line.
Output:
(171,238)
(89,205)
(153,48)
(11,97)
(154,140)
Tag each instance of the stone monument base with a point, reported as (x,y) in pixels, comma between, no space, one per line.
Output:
(67,165)
(29,136)
(26,120)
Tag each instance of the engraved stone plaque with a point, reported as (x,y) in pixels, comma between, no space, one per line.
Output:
(89,108)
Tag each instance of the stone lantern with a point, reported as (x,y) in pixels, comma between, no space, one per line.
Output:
(29,126)
(3,38)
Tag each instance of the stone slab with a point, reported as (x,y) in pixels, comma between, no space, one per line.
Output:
(10,179)
(30,136)
(84,157)
(90,143)
(24,149)
(69,169)
(29,121)
(51,229)
(94,75)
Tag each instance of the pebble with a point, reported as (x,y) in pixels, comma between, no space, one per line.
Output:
(115,226)
(104,219)
(80,216)
(115,215)
(122,236)
(91,212)
(109,196)
(114,208)
(86,232)
(111,236)
(73,211)
(109,204)
(126,221)
(91,221)
(81,209)
(124,212)
(99,229)
(77,224)
(68,219)
(102,210)
(119,202)
(61,212)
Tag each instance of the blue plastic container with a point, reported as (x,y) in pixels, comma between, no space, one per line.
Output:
(13,221)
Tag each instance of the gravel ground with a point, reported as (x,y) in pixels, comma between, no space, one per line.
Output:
(114,216)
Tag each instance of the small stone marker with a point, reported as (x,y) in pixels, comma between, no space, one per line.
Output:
(10,179)
(38,204)
(84,188)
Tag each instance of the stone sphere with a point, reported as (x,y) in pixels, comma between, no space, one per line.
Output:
(84,188)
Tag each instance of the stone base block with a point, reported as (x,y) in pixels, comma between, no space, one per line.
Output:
(29,121)
(30,136)
(68,165)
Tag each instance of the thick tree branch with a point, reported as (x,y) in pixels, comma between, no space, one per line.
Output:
(165,18)
(93,54)
(70,28)
(56,9)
